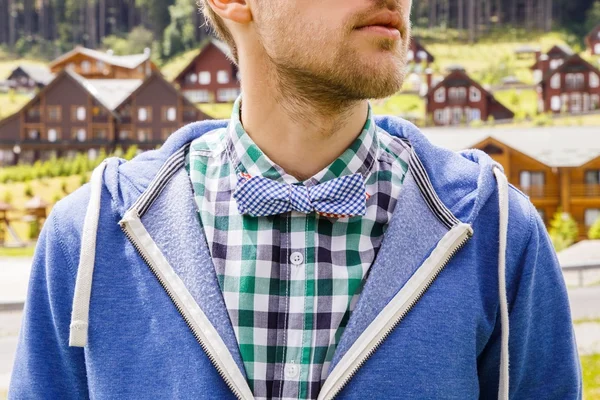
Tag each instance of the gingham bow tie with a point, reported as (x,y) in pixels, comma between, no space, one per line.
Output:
(340,197)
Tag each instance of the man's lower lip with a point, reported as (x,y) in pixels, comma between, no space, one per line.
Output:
(385,31)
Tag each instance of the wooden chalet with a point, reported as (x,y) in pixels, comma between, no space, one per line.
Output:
(573,87)
(592,40)
(94,64)
(417,53)
(549,61)
(458,99)
(556,167)
(210,77)
(73,114)
(27,78)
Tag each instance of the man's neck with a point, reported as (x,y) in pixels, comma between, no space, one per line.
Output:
(296,133)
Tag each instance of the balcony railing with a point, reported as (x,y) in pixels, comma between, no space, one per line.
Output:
(585,190)
(541,191)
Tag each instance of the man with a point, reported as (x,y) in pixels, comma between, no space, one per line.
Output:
(302,249)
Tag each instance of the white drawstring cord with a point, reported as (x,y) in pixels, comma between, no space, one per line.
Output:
(504,356)
(83,285)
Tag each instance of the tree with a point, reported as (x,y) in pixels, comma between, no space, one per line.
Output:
(180,34)
(563,230)
(592,17)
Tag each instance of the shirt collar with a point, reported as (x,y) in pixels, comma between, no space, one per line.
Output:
(246,156)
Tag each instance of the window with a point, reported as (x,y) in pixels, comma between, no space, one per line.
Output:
(80,113)
(99,134)
(54,113)
(144,114)
(33,134)
(597,48)
(595,101)
(576,102)
(204,78)
(440,95)
(198,96)
(457,114)
(222,77)
(555,103)
(591,215)
(537,75)
(125,134)
(594,80)
(410,55)
(169,114)
(474,94)
(33,113)
(575,81)
(99,66)
(86,66)
(592,177)
(531,178)
(53,135)
(555,63)
(475,114)
(227,94)
(144,135)
(421,55)
(191,77)
(80,134)
(457,93)
(439,117)
(555,81)
(92,154)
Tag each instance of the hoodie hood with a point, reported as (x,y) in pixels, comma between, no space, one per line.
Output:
(466,179)
(462,182)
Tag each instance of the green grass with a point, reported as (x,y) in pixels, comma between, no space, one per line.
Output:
(174,66)
(8,65)
(586,320)
(522,102)
(11,103)
(400,104)
(49,189)
(591,376)
(17,251)
(492,58)
(217,110)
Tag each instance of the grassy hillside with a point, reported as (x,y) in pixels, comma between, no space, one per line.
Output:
(49,189)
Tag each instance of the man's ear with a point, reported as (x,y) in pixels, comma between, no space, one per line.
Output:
(233,10)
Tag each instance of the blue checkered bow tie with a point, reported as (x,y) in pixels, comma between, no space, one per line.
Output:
(338,198)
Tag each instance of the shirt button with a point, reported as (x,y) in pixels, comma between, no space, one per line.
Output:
(292,371)
(296,258)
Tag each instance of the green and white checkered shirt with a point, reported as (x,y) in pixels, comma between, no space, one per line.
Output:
(290,281)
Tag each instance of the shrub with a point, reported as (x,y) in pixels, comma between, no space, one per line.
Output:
(563,230)
(28,191)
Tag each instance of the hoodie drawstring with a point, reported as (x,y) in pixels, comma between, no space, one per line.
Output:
(503,203)
(83,285)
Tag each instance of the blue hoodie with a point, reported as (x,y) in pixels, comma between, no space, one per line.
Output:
(124,302)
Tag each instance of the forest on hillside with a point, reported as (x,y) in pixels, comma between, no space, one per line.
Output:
(47,28)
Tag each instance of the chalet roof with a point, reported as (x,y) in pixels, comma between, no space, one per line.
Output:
(112,92)
(563,48)
(129,61)
(575,58)
(595,30)
(222,46)
(552,146)
(39,73)
(526,49)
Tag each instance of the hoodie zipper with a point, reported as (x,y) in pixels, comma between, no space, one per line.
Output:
(191,326)
(346,377)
